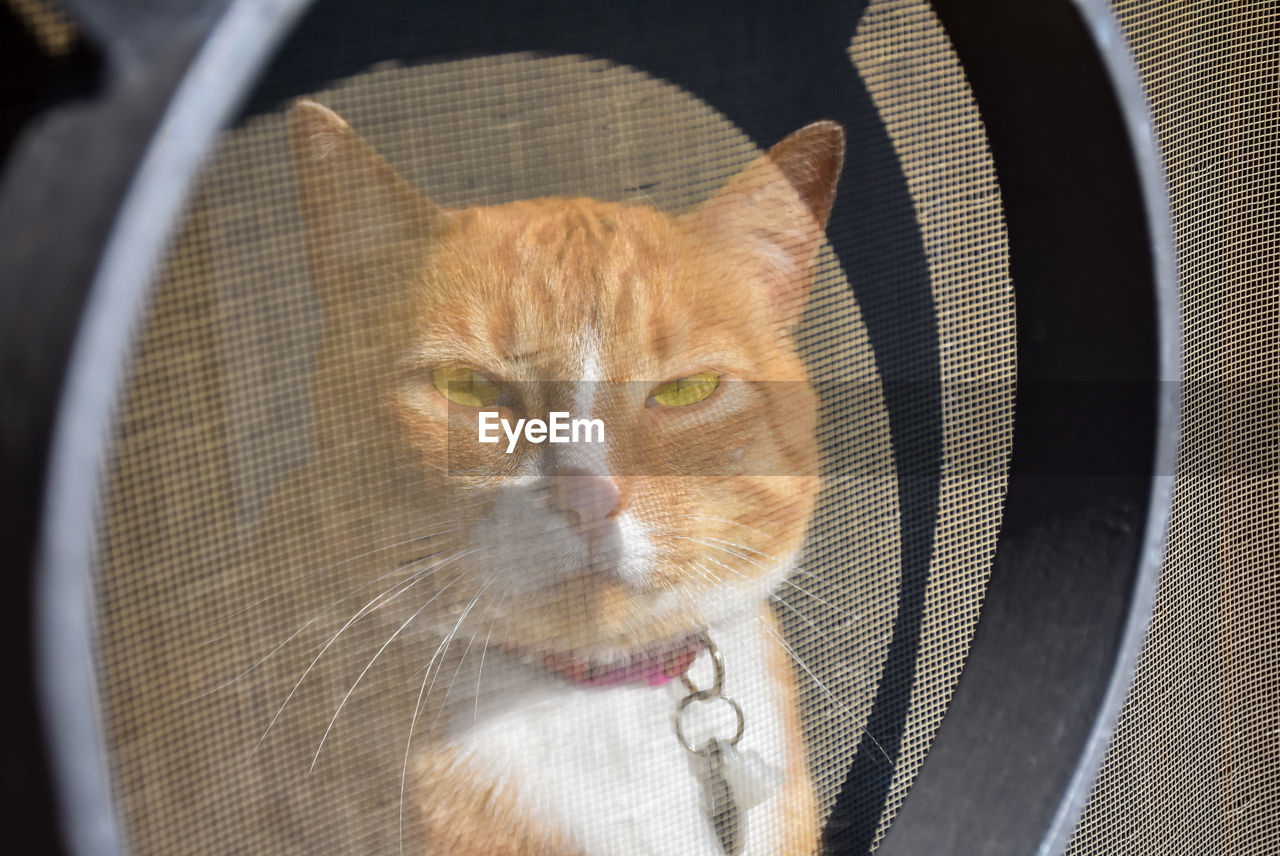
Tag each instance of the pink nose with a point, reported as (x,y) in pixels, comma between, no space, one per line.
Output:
(585,497)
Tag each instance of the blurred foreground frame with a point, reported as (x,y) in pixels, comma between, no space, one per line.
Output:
(1074,572)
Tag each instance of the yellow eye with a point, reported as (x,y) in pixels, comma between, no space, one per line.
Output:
(686,390)
(465,386)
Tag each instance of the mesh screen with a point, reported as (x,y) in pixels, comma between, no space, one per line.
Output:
(55,32)
(1192,767)
(275,674)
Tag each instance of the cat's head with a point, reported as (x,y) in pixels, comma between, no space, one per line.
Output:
(676,332)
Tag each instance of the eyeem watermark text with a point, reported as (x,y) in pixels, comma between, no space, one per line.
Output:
(558,429)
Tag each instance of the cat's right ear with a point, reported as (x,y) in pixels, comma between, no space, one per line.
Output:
(774,212)
(359,212)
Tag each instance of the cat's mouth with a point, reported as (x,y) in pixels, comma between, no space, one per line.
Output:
(655,665)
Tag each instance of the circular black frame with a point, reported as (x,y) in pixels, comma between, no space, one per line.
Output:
(1096,410)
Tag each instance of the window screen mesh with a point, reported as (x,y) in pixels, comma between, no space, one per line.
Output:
(1192,767)
(236,619)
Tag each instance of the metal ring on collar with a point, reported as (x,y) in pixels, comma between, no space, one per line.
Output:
(689,699)
(717,660)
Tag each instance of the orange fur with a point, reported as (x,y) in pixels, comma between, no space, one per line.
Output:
(465,816)
(796,824)
(516,291)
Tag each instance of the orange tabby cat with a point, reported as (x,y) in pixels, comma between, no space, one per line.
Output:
(584,573)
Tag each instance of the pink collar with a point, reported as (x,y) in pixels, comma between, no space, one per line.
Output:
(655,667)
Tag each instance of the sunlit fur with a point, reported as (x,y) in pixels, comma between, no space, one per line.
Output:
(576,305)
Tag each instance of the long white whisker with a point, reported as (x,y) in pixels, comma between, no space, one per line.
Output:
(729,568)
(835,584)
(412,539)
(777,637)
(308,623)
(453,680)
(706,573)
(725,549)
(369,665)
(475,716)
(709,539)
(404,769)
(463,658)
(825,603)
(804,618)
(724,520)
(423,692)
(385,597)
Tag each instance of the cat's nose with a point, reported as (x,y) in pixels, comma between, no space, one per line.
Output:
(585,497)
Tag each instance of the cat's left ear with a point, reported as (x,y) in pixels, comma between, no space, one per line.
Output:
(358,211)
(776,210)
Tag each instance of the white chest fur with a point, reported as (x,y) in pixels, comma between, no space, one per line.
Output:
(603,765)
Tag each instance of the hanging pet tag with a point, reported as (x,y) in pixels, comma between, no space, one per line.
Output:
(751,778)
(719,802)
(718,794)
